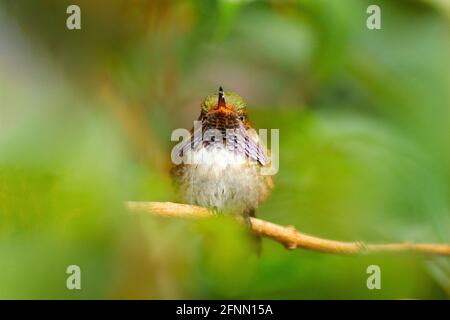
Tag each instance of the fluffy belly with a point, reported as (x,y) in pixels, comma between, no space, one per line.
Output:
(222,180)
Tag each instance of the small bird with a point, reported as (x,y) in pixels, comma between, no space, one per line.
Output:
(224,160)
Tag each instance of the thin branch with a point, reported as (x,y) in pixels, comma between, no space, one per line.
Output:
(288,236)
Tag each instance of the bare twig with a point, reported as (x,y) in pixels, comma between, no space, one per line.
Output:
(288,236)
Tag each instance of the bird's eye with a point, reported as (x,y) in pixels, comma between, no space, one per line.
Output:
(242,117)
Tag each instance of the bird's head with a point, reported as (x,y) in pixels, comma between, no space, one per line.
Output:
(224,110)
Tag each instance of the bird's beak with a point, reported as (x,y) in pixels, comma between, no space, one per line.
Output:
(221,103)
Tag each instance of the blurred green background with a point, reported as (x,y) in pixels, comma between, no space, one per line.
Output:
(85,123)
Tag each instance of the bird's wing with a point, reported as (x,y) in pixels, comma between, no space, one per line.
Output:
(243,143)
(192,144)
(237,140)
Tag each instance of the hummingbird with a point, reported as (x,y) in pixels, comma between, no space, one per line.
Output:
(225,158)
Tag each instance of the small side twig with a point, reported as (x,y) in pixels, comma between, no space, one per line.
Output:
(288,236)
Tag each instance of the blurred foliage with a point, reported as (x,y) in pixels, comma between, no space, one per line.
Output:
(85,123)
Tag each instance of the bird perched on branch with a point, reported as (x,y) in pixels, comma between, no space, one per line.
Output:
(222,160)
